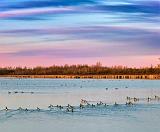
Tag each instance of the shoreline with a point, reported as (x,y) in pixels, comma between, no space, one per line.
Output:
(149,77)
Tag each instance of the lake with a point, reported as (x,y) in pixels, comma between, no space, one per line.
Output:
(142,116)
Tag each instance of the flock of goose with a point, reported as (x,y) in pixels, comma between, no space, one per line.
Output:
(84,103)
(134,99)
(87,104)
(15,92)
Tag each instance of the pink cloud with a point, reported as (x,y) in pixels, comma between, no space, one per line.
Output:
(130,61)
(22,12)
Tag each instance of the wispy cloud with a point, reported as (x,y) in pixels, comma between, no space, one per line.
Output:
(98,28)
(102,50)
(101,33)
(26,12)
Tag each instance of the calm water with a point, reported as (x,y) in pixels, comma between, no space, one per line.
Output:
(142,117)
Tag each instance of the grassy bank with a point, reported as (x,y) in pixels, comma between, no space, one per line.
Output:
(153,77)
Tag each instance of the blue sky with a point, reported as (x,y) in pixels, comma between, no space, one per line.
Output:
(47,32)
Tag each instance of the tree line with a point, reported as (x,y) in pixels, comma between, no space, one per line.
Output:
(79,70)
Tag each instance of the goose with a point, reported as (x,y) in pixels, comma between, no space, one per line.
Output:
(50,106)
(6,109)
(128,98)
(67,109)
(16,92)
(81,106)
(93,105)
(148,99)
(38,109)
(135,99)
(129,103)
(69,106)
(115,104)
(60,107)
(72,110)
(20,108)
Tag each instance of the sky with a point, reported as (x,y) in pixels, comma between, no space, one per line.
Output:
(57,32)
